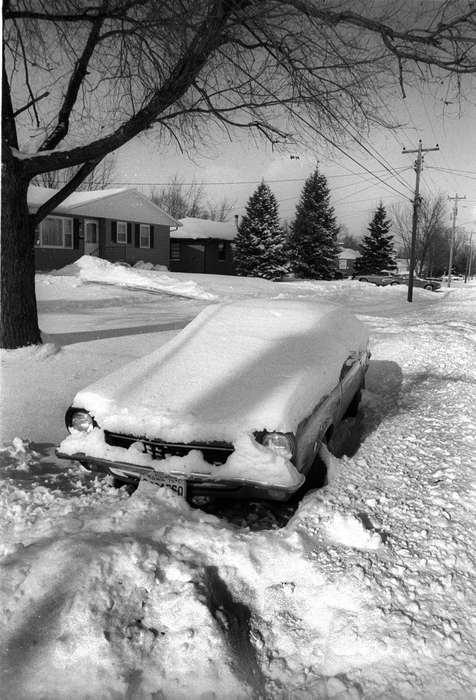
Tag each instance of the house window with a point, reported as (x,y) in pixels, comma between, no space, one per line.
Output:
(144,236)
(174,250)
(121,236)
(56,232)
(221,251)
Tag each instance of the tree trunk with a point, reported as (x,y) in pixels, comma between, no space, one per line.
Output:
(19,318)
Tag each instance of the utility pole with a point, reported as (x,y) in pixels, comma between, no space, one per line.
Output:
(416,206)
(467,274)
(456,199)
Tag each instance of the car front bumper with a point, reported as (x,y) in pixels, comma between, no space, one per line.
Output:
(197,484)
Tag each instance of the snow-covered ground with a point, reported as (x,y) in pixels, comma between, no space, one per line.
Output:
(365,590)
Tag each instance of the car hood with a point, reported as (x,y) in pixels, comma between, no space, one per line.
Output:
(237,367)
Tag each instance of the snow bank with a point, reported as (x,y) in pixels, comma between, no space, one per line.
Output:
(159,599)
(92,269)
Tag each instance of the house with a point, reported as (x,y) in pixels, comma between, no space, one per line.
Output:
(347,258)
(402,265)
(201,245)
(117,225)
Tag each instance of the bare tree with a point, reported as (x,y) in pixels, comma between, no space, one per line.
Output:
(98,179)
(180,200)
(219,211)
(82,79)
(431,227)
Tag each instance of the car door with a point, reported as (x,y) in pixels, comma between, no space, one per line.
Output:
(351,377)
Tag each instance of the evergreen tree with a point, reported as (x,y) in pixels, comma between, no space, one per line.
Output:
(260,245)
(313,239)
(376,250)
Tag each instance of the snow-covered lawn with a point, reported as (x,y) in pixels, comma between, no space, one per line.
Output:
(368,591)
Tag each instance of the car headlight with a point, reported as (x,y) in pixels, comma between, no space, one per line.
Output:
(283,444)
(78,420)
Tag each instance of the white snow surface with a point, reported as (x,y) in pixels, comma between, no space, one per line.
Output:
(367,591)
(195,228)
(237,367)
(92,269)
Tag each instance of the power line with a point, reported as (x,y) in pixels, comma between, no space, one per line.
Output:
(367,179)
(379,158)
(455,173)
(354,160)
(358,192)
(232,182)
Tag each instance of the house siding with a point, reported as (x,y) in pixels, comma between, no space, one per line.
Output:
(202,256)
(56,258)
(213,263)
(130,253)
(53,259)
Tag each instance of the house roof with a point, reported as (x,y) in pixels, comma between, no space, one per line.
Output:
(348,254)
(124,203)
(192,227)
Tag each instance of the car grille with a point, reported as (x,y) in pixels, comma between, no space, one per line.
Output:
(213,452)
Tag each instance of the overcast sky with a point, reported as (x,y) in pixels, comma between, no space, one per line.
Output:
(234,169)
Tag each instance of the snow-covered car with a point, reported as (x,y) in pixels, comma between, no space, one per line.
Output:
(381,280)
(236,405)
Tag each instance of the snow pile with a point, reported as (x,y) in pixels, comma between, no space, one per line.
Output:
(348,530)
(141,265)
(166,600)
(92,269)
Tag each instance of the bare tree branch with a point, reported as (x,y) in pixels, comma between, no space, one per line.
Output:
(64,192)
(31,103)
(76,80)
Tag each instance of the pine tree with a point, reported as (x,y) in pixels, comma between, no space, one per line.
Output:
(260,245)
(313,238)
(377,253)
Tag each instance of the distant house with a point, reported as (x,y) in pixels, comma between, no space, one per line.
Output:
(117,225)
(201,245)
(402,265)
(347,258)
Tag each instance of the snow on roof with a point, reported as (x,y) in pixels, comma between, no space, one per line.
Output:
(128,204)
(238,367)
(193,227)
(39,195)
(348,254)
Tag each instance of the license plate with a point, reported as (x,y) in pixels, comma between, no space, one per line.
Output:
(177,485)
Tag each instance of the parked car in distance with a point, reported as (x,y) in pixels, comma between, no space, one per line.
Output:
(430,284)
(382,279)
(236,405)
